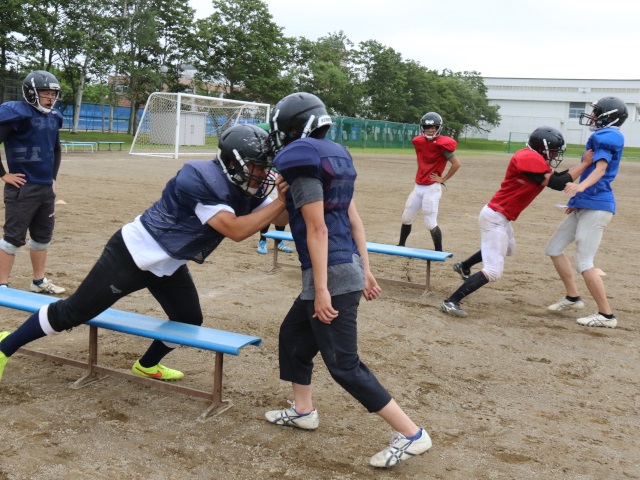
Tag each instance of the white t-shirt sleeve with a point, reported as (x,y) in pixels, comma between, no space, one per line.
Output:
(206,212)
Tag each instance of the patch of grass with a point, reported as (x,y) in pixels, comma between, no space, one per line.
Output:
(468,146)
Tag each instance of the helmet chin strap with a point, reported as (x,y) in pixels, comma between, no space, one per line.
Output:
(307,128)
(40,108)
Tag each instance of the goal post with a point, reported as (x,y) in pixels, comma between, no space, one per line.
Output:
(517,140)
(174,124)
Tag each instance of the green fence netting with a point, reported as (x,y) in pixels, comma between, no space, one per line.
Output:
(363,133)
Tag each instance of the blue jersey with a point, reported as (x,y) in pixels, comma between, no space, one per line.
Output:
(172,220)
(30,145)
(607,144)
(332,165)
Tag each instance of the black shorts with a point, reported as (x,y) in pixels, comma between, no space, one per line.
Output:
(29,208)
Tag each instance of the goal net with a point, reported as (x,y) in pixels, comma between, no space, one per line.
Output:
(175,124)
(517,140)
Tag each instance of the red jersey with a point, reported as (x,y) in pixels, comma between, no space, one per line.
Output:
(430,156)
(517,190)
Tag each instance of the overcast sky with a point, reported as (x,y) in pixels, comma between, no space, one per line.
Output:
(580,39)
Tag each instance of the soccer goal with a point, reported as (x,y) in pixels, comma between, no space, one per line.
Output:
(175,124)
(517,140)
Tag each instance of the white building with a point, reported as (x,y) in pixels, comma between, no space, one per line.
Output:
(527,103)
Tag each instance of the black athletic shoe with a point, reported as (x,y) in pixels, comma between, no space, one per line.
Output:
(463,272)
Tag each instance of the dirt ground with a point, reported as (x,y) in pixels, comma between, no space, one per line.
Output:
(511,392)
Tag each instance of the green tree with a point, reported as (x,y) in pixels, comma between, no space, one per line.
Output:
(12,19)
(464,103)
(324,68)
(84,52)
(149,33)
(240,47)
(383,77)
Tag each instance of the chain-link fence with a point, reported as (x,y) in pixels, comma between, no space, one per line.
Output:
(363,133)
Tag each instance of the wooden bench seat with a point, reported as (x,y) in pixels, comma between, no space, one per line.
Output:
(383,248)
(218,341)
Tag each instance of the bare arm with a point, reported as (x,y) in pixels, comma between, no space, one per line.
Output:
(575,171)
(455,165)
(240,228)
(592,179)
(318,244)
(371,288)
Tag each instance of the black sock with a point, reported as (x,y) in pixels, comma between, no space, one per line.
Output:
(405,230)
(608,317)
(436,236)
(573,299)
(154,354)
(472,260)
(29,331)
(262,237)
(470,285)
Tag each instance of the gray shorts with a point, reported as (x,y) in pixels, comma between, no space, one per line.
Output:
(585,227)
(29,208)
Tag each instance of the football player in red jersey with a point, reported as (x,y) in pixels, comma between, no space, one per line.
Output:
(433,151)
(529,171)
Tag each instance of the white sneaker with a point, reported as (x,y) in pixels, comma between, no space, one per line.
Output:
(47,287)
(401,449)
(566,304)
(453,308)
(598,320)
(290,418)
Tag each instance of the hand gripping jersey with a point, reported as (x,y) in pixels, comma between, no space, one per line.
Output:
(431,156)
(332,165)
(607,144)
(172,220)
(30,146)
(517,190)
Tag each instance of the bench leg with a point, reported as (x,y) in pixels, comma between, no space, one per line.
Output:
(218,405)
(428,279)
(91,375)
(276,266)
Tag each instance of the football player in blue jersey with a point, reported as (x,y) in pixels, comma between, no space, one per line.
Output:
(330,240)
(30,132)
(204,203)
(589,211)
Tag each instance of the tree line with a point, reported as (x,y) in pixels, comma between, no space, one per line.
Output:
(145,44)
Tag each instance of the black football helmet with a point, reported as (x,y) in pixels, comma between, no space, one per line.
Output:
(39,80)
(430,119)
(298,115)
(607,112)
(240,147)
(549,143)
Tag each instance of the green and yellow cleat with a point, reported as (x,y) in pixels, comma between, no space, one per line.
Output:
(159,372)
(3,358)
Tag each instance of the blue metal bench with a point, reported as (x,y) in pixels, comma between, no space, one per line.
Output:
(218,341)
(427,255)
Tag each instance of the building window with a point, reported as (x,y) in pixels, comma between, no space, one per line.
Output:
(576,108)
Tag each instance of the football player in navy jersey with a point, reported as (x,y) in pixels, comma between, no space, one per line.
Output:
(433,152)
(30,132)
(330,240)
(589,211)
(204,203)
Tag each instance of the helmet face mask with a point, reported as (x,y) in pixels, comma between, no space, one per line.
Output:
(607,112)
(247,159)
(34,84)
(549,143)
(299,115)
(431,119)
